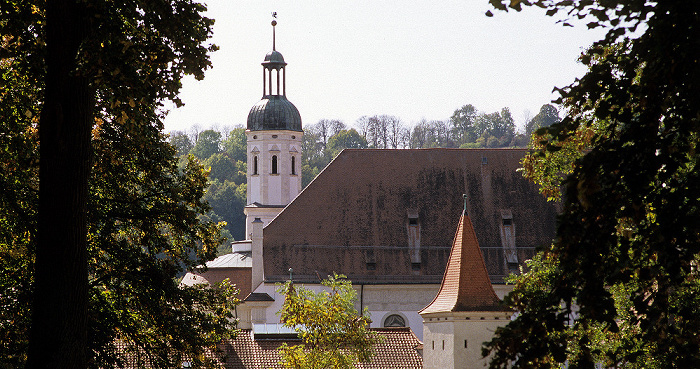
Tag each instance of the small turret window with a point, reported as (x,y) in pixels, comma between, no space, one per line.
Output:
(255,165)
(294,169)
(274,164)
(394,320)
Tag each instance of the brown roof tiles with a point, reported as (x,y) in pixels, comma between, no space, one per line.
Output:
(397,349)
(353,218)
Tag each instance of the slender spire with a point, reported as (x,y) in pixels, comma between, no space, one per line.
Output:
(274,23)
(465,284)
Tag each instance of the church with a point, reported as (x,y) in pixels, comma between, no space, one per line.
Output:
(387,219)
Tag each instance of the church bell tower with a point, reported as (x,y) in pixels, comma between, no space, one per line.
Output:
(274,137)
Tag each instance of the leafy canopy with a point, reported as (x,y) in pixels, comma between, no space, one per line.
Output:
(333,333)
(619,285)
(144,225)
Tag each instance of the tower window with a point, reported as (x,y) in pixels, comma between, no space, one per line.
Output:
(294,169)
(255,165)
(274,164)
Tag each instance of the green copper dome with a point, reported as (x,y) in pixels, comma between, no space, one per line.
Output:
(274,112)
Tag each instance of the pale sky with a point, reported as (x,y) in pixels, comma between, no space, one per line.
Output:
(413,59)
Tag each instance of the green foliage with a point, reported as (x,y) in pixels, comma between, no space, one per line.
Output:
(227,200)
(181,141)
(143,213)
(225,160)
(345,139)
(473,129)
(462,122)
(553,160)
(547,116)
(333,333)
(208,143)
(235,145)
(623,281)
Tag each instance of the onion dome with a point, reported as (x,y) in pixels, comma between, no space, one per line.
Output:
(274,112)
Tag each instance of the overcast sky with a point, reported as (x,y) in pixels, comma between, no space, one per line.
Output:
(413,59)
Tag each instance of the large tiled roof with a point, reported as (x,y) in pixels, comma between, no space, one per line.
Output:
(465,285)
(353,218)
(397,349)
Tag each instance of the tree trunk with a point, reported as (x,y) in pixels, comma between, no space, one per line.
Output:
(58,336)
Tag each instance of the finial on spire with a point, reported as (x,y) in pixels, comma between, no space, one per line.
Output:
(465,202)
(274,23)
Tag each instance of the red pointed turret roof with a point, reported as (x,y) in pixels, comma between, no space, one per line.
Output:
(465,284)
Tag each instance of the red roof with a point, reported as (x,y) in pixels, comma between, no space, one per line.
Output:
(465,284)
(397,349)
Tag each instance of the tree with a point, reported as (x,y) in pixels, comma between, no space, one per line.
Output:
(497,129)
(427,134)
(222,168)
(208,143)
(181,141)
(381,131)
(395,130)
(420,135)
(327,128)
(547,116)
(333,333)
(345,139)
(96,73)
(235,145)
(621,276)
(227,200)
(462,122)
(313,157)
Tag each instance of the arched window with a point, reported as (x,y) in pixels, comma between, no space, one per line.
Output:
(255,165)
(294,169)
(274,164)
(394,320)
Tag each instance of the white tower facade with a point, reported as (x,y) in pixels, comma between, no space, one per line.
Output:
(274,173)
(274,137)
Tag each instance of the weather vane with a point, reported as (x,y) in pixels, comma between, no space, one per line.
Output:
(274,23)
